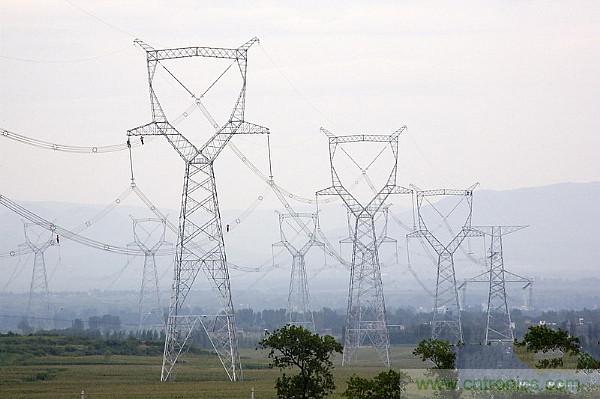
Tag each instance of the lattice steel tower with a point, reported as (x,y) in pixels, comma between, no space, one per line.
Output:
(298,310)
(498,326)
(38,304)
(446,323)
(149,298)
(200,244)
(366,315)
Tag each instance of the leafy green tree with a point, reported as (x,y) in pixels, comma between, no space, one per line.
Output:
(437,351)
(544,339)
(296,347)
(385,385)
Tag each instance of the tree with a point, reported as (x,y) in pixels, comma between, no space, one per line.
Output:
(544,339)
(385,385)
(437,351)
(296,347)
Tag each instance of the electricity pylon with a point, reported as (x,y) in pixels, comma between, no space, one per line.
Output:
(366,316)
(446,321)
(200,244)
(498,326)
(38,304)
(148,301)
(298,307)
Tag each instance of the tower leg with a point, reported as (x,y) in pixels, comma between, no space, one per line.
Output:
(446,322)
(366,323)
(200,246)
(499,325)
(298,310)
(148,301)
(38,304)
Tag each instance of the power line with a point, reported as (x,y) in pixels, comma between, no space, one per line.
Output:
(101,20)
(99,149)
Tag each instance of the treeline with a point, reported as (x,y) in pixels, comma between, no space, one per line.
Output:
(406,326)
(410,327)
(20,349)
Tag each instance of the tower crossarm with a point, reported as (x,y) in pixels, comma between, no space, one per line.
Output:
(483,277)
(195,51)
(252,128)
(287,245)
(444,191)
(504,230)
(437,246)
(515,278)
(219,140)
(441,191)
(355,138)
(379,199)
(309,244)
(351,203)
(460,237)
(184,148)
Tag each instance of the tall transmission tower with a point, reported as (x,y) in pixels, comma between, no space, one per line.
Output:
(298,307)
(366,322)
(200,244)
(38,304)
(149,305)
(498,326)
(446,323)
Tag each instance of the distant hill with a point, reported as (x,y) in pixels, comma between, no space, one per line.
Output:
(561,243)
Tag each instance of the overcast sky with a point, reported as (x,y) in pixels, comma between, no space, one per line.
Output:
(501,92)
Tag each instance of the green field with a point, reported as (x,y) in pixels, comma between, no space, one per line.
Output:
(199,376)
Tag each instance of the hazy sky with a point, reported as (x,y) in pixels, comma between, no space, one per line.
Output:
(501,92)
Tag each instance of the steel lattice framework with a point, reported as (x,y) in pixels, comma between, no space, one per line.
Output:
(149,301)
(200,244)
(366,315)
(383,237)
(298,307)
(38,304)
(498,326)
(446,321)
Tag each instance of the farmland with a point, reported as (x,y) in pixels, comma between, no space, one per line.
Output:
(137,376)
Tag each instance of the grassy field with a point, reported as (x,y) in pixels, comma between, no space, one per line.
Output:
(200,376)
